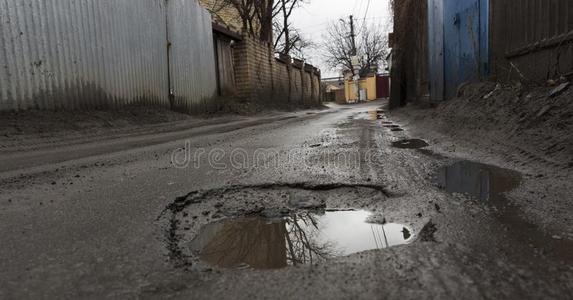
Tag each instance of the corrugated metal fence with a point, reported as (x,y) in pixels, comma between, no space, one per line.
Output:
(532,38)
(192,56)
(84,54)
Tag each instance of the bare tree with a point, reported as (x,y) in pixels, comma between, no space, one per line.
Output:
(287,38)
(372,47)
(215,7)
(256,15)
(294,46)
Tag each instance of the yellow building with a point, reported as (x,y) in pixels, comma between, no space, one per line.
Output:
(366,84)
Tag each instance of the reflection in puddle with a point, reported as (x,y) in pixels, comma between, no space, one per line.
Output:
(302,238)
(489,184)
(376,115)
(410,144)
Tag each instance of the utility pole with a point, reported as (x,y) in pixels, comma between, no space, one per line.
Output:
(352,35)
(355,61)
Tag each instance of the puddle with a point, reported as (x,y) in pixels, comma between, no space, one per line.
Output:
(410,144)
(489,184)
(375,115)
(303,238)
(484,182)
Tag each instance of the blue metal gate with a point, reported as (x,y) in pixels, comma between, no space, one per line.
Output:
(458,47)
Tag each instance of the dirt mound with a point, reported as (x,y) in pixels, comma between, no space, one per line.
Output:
(531,120)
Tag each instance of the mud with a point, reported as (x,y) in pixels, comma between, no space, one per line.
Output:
(126,226)
(489,184)
(516,127)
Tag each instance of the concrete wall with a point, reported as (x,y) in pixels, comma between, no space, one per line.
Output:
(65,54)
(263,79)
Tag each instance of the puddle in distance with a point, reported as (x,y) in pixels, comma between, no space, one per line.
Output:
(376,115)
(489,184)
(410,144)
(267,243)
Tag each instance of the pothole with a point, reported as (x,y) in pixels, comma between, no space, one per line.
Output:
(273,226)
(489,184)
(300,238)
(410,144)
(397,129)
(391,126)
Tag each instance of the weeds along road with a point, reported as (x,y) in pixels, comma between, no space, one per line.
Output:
(117,218)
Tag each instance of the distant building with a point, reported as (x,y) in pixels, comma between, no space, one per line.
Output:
(371,87)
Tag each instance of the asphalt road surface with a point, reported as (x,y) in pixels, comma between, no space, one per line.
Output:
(131,216)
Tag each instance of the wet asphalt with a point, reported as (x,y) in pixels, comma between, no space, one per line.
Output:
(124,221)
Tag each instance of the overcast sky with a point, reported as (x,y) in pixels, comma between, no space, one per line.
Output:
(314,18)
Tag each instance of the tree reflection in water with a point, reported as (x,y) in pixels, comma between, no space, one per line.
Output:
(262,243)
(301,238)
(303,243)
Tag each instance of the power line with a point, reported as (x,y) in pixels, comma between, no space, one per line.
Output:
(355,4)
(365,15)
(326,23)
(367,8)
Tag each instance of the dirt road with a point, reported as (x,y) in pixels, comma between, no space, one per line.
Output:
(132,216)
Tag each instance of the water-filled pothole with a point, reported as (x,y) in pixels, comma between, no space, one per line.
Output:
(490,184)
(410,144)
(301,238)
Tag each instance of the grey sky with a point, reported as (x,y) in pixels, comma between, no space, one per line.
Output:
(314,18)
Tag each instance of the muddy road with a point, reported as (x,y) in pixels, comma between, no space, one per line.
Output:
(342,203)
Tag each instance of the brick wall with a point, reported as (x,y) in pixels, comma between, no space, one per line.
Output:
(263,79)
(223,14)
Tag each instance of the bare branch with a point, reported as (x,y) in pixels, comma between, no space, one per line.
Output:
(372,48)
